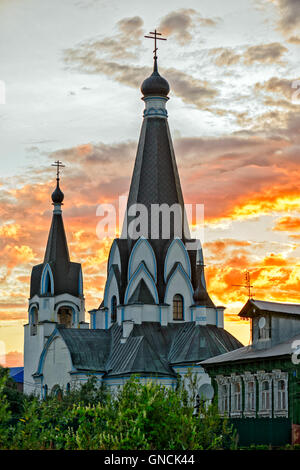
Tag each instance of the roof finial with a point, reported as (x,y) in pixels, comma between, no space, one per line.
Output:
(57,195)
(154,36)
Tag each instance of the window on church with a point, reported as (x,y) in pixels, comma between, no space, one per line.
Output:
(266,396)
(236,397)
(282,395)
(114,309)
(177,307)
(68,388)
(251,396)
(45,391)
(33,321)
(64,316)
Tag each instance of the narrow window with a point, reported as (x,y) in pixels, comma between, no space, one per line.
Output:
(114,309)
(33,321)
(251,396)
(177,307)
(266,396)
(282,401)
(236,397)
(224,398)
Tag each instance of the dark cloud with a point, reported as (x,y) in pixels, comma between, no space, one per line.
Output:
(181,23)
(192,91)
(289,14)
(263,53)
(267,53)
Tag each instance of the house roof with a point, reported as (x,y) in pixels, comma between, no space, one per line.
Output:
(250,307)
(249,353)
(17,374)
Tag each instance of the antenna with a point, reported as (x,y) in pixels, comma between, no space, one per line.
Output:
(247,284)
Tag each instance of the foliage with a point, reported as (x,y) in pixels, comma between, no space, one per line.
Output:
(138,416)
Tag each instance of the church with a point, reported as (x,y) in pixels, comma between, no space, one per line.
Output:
(156,319)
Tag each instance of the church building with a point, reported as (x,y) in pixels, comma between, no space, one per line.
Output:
(156,319)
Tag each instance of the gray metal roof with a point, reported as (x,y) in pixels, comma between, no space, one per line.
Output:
(248,353)
(65,272)
(89,349)
(273,307)
(151,349)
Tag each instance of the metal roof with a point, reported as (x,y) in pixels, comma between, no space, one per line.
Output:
(274,307)
(150,349)
(248,353)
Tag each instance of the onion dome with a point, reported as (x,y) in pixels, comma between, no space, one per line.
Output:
(57,195)
(155,85)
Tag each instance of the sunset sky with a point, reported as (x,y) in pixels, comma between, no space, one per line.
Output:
(72,72)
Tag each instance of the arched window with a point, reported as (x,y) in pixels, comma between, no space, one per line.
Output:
(68,388)
(56,391)
(177,307)
(282,402)
(64,316)
(45,391)
(33,321)
(114,309)
(265,396)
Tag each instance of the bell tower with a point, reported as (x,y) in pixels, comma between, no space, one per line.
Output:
(56,292)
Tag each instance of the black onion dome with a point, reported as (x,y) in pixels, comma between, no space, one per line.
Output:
(155,85)
(57,195)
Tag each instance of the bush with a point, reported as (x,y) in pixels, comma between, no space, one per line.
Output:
(147,417)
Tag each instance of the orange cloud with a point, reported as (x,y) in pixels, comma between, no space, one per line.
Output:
(288,224)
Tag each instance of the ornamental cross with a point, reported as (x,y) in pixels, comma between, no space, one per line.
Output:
(154,36)
(58,165)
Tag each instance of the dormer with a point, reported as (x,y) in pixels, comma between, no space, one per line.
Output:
(271,322)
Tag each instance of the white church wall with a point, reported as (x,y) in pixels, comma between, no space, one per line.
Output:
(33,346)
(177,253)
(142,252)
(211,316)
(57,365)
(179,283)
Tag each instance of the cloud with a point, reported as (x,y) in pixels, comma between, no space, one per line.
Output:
(13,359)
(277,85)
(225,56)
(289,14)
(262,53)
(266,53)
(191,90)
(181,23)
(288,224)
(125,44)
